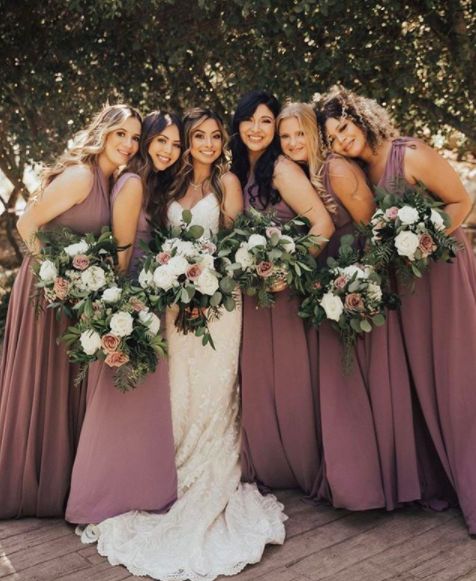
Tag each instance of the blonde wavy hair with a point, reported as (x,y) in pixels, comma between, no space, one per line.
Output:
(89,142)
(306,118)
(192,119)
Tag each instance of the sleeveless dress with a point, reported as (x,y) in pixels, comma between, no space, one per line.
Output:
(439,328)
(369,444)
(40,410)
(126,458)
(280,431)
(218,525)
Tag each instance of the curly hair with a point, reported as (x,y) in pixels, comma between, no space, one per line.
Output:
(264,169)
(306,118)
(156,183)
(90,142)
(366,113)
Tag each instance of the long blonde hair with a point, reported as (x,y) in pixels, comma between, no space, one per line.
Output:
(89,142)
(306,118)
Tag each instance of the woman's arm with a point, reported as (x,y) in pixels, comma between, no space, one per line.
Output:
(67,190)
(125,218)
(349,183)
(233,201)
(297,191)
(424,164)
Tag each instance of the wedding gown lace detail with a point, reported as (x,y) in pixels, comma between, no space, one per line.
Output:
(218,525)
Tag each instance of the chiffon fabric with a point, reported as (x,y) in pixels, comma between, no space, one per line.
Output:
(40,410)
(126,458)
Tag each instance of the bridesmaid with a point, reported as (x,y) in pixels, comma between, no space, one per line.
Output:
(40,411)
(129,436)
(368,442)
(439,318)
(278,373)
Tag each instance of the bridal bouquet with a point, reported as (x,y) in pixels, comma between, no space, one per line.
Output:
(350,295)
(182,268)
(265,256)
(119,328)
(408,232)
(73,269)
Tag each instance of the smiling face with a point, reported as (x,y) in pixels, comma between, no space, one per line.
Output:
(206,142)
(121,144)
(293,140)
(345,137)
(258,131)
(164,149)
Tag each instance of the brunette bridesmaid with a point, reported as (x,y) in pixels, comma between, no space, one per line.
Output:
(126,457)
(439,318)
(40,410)
(278,364)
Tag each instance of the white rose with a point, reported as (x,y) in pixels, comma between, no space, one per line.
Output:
(146,278)
(374,292)
(289,243)
(48,271)
(256,240)
(111,295)
(164,278)
(349,271)
(244,257)
(168,244)
(122,324)
(80,247)
(437,220)
(207,283)
(90,341)
(185,248)
(208,261)
(408,215)
(177,265)
(93,278)
(406,244)
(151,321)
(332,305)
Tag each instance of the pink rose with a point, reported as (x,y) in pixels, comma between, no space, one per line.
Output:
(136,304)
(340,281)
(81,262)
(265,269)
(110,343)
(163,257)
(392,213)
(317,285)
(193,271)
(60,288)
(272,230)
(354,302)
(208,247)
(116,359)
(426,245)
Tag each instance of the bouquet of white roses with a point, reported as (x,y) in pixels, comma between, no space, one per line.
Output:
(182,268)
(73,269)
(120,328)
(350,295)
(266,256)
(408,232)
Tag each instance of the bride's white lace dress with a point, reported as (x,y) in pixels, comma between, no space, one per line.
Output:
(218,525)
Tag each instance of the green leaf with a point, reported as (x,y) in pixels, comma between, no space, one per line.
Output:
(365,326)
(216,299)
(195,232)
(378,320)
(186,217)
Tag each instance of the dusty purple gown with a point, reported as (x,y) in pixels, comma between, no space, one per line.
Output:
(439,328)
(40,410)
(369,444)
(126,457)
(278,375)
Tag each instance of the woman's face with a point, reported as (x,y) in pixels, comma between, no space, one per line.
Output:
(257,132)
(345,137)
(122,143)
(293,140)
(206,142)
(164,149)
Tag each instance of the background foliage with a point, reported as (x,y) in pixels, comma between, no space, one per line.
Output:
(63,59)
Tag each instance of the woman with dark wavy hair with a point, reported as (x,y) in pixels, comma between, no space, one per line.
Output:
(438,320)
(280,429)
(126,435)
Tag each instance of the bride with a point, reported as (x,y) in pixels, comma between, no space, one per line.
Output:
(218,525)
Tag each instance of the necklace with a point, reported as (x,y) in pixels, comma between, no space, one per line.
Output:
(197,186)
